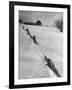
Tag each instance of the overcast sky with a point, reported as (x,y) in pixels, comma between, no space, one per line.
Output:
(46,18)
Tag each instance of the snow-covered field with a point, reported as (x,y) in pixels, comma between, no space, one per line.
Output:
(31,63)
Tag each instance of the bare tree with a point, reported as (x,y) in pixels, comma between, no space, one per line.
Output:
(20,21)
(59,25)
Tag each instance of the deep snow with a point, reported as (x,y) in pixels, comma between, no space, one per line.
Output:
(31,62)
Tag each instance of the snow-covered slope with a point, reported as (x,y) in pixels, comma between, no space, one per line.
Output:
(50,44)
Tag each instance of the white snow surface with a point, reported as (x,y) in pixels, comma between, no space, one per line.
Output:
(31,60)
